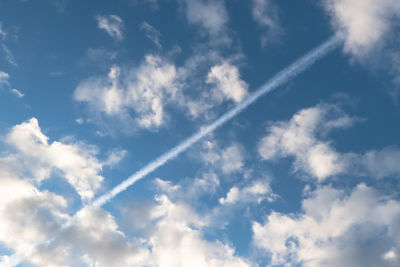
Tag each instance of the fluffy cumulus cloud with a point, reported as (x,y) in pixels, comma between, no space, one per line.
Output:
(143,90)
(334,229)
(363,23)
(178,239)
(112,24)
(304,137)
(39,158)
(228,81)
(265,13)
(301,137)
(36,224)
(139,96)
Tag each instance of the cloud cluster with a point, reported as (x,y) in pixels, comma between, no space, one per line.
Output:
(304,137)
(140,95)
(334,229)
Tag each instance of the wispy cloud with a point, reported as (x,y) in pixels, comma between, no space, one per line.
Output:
(265,13)
(152,33)
(112,24)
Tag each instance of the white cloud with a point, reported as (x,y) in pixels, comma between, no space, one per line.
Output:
(334,229)
(265,13)
(178,241)
(112,24)
(210,15)
(36,155)
(5,84)
(152,33)
(300,137)
(143,90)
(4,78)
(304,138)
(255,192)
(363,23)
(228,81)
(115,157)
(382,163)
(17,93)
(228,160)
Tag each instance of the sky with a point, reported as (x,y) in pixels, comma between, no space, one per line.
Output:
(199,133)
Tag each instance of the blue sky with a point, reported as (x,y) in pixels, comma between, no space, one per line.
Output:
(93,91)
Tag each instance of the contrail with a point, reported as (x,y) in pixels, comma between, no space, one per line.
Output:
(280,78)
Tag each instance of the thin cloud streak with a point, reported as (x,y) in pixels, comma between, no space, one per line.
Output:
(279,79)
(282,77)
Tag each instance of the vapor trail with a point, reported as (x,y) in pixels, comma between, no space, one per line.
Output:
(282,77)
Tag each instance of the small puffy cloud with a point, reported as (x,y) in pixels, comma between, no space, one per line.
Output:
(112,24)
(255,192)
(152,33)
(363,23)
(210,15)
(334,229)
(115,157)
(300,137)
(76,161)
(229,159)
(229,84)
(265,13)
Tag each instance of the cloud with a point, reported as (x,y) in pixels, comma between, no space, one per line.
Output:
(265,13)
(211,16)
(152,33)
(115,157)
(228,160)
(228,81)
(363,23)
(256,192)
(300,137)
(35,155)
(5,84)
(334,229)
(17,93)
(304,138)
(112,24)
(143,90)
(177,239)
